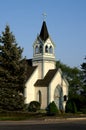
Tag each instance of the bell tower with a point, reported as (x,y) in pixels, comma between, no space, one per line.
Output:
(43,52)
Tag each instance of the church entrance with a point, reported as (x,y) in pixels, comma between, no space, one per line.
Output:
(58,96)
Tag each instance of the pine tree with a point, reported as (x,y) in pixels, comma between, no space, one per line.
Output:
(83,67)
(12,72)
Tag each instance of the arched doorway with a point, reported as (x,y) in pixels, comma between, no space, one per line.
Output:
(58,97)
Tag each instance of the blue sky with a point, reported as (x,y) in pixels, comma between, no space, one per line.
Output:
(66,22)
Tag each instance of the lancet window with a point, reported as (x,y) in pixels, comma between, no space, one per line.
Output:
(36,49)
(46,49)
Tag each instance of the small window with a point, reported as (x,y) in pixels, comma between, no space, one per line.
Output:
(50,49)
(41,49)
(65,98)
(37,49)
(40,97)
(46,49)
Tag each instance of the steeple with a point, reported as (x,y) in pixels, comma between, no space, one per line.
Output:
(43,52)
(44,32)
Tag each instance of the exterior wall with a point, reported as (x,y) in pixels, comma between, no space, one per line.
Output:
(40,68)
(43,91)
(57,80)
(65,92)
(47,65)
(30,90)
(43,67)
(65,88)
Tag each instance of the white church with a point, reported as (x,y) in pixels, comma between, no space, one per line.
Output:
(45,82)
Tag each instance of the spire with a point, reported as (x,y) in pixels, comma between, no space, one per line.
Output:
(44,32)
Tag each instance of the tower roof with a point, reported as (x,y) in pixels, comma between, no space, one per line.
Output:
(44,32)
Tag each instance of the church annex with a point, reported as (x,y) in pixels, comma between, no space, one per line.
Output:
(45,82)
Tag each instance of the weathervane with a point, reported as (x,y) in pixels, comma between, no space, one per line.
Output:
(44,16)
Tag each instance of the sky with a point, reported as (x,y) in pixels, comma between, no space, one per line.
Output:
(66,23)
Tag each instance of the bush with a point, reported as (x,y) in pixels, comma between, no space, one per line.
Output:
(80,101)
(52,109)
(71,107)
(34,106)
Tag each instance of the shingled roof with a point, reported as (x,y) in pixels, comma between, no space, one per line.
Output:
(47,79)
(30,68)
(44,32)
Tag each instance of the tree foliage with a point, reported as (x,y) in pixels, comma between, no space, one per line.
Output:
(12,71)
(77,84)
(73,76)
(83,67)
(71,107)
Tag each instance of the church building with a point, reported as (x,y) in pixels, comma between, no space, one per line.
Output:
(45,82)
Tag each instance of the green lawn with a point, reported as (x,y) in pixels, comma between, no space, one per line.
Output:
(16,116)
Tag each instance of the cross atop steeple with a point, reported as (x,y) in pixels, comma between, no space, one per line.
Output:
(44,16)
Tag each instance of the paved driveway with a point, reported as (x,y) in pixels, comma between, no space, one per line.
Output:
(44,125)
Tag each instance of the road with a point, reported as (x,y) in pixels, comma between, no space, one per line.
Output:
(44,125)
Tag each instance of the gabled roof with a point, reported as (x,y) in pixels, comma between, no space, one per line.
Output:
(44,32)
(47,79)
(30,68)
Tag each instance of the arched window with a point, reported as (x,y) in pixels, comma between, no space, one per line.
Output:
(65,97)
(46,49)
(41,49)
(58,97)
(36,49)
(39,97)
(50,49)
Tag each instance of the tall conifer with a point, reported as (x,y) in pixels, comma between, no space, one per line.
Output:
(83,67)
(12,72)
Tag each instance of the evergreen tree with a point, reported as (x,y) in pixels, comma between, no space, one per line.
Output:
(83,67)
(12,72)
(52,109)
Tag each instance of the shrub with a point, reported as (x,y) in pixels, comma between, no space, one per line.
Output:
(34,106)
(52,109)
(71,107)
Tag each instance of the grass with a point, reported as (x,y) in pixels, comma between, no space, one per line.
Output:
(17,116)
(20,116)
